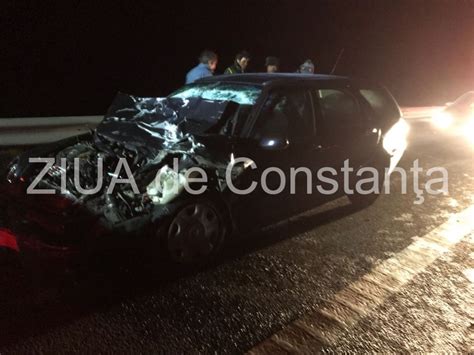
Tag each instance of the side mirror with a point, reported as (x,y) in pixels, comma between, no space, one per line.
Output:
(274,143)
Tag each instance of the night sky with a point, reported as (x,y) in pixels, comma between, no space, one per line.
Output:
(70,58)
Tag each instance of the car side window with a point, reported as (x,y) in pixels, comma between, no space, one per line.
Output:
(286,114)
(381,103)
(337,106)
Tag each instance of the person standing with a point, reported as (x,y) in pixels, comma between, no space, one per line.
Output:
(206,67)
(307,67)
(240,63)
(272,64)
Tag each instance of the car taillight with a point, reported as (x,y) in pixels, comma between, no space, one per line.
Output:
(8,240)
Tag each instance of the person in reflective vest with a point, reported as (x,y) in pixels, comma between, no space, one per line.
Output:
(240,63)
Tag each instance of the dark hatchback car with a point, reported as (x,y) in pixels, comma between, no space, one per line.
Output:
(245,133)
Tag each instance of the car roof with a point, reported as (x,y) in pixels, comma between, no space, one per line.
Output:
(269,78)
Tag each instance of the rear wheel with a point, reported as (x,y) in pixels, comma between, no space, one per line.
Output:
(361,201)
(367,199)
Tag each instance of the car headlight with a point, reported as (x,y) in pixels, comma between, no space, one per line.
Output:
(166,186)
(396,138)
(12,171)
(468,129)
(442,119)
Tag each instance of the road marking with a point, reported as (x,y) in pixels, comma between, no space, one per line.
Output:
(359,299)
(469,274)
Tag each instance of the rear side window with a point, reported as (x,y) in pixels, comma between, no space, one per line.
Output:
(382,103)
(337,106)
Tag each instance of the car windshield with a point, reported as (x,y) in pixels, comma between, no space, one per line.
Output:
(240,94)
(220,108)
(195,109)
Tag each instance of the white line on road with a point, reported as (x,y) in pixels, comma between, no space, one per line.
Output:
(363,296)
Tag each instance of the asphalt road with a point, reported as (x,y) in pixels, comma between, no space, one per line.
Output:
(278,277)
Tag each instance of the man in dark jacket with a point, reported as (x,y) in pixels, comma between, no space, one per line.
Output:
(240,64)
(272,64)
(307,67)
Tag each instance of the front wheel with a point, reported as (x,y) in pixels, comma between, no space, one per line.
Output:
(194,234)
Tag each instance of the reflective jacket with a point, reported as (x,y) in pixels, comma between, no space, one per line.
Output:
(234,69)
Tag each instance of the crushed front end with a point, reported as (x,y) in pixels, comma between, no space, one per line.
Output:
(77,211)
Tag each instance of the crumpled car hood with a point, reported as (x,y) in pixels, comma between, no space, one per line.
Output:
(154,124)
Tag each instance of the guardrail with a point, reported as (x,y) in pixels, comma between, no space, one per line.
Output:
(420,112)
(38,130)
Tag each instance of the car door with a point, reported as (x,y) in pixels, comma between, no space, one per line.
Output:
(346,134)
(286,154)
(267,147)
(306,154)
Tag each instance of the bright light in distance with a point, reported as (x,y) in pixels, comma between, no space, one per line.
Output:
(468,129)
(396,139)
(442,119)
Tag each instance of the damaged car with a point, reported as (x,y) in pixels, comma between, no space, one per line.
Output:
(133,181)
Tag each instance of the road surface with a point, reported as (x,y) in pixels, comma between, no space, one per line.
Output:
(397,276)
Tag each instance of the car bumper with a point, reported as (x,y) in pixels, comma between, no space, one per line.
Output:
(67,235)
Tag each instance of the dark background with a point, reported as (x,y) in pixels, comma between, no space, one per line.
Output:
(70,58)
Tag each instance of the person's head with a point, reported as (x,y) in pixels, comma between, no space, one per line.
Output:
(272,63)
(242,59)
(307,67)
(209,58)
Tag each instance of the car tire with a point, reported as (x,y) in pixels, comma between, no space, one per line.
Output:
(193,235)
(361,201)
(365,200)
